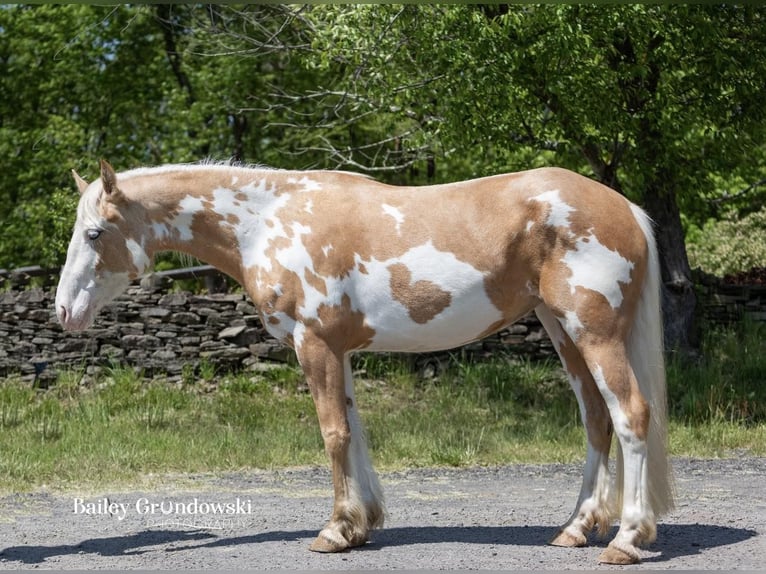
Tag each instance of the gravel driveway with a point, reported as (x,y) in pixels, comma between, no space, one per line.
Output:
(485,518)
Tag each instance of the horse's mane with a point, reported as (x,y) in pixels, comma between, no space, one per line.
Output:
(215,164)
(205,163)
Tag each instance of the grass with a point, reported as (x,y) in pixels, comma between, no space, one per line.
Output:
(123,427)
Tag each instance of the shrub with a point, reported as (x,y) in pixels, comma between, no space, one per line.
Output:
(729,245)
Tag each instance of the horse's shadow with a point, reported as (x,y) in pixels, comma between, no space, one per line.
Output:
(128,545)
(674,540)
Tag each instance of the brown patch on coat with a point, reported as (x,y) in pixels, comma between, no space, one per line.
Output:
(424,300)
(315,281)
(342,328)
(113,253)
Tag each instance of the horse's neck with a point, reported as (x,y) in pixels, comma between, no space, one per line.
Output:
(212,214)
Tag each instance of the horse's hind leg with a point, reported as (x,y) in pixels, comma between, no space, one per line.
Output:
(358,503)
(595,504)
(614,377)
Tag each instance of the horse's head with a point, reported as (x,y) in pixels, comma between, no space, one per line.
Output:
(105,254)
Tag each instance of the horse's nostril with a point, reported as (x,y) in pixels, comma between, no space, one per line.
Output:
(62,313)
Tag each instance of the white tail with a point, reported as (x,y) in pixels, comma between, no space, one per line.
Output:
(645,352)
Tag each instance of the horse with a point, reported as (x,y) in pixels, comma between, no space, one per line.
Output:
(336,262)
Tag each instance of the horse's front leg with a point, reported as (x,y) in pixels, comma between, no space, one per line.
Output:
(358,504)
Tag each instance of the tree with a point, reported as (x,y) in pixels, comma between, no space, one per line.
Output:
(77,82)
(655,101)
(136,84)
(662,103)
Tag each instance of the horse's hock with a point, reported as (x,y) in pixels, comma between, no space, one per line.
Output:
(163,331)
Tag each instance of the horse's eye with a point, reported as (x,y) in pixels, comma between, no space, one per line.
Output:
(93,234)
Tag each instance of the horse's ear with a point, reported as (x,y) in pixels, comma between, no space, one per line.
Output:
(109,179)
(82,185)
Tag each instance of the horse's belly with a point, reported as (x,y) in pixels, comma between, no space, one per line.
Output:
(424,301)
(398,332)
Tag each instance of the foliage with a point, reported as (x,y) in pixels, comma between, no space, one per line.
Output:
(731,244)
(633,94)
(136,84)
(628,91)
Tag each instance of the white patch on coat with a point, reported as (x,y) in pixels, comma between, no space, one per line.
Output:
(141,260)
(259,224)
(576,384)
(619,418)
(296,258)
(636,506)
(598,268)
(558,216)
(308,184)
(468,315)
(188,207)
(396,214)
(160,230)
(572,325)
(298,332)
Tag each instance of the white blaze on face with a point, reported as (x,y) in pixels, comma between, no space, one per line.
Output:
(82,288)
(598,268)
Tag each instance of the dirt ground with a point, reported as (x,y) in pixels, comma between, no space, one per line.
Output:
(481,518)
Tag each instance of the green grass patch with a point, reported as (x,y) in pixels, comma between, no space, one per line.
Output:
(727,383)
(123,427)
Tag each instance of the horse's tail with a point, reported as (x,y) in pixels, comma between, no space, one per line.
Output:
(645,353)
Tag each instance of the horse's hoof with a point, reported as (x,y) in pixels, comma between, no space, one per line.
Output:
(328,542)
(614,555)
(569,540)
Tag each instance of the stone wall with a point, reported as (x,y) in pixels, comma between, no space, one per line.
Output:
(160,330)
(723,303)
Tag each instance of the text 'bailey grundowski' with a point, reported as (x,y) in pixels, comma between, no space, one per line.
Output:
(147,507)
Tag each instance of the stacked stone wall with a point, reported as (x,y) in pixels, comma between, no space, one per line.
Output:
(156,329)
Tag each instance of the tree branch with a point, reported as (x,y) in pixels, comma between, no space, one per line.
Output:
(732,196)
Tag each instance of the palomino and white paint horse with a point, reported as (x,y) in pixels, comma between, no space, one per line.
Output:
(336,262)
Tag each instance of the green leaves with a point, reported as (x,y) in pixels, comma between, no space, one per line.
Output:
(414,93)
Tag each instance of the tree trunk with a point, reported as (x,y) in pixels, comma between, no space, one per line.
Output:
(678,298)
(679,301)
